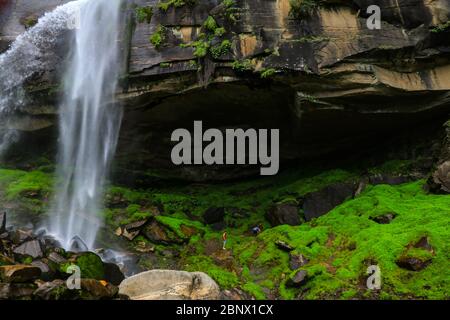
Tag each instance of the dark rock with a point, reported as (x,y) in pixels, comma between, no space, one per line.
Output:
(416,260)
(219,226)
(158,233)
(31,248)
(413,263)
(284,246)
(285,213)
(16,291)
(388,179)
(98,290)
(297,261)
(321,202)
(19,273)
(423,243)
(4,235)
(384,218)
(135,225)
(213,215)
(2,222)
(298,279)
(113,274)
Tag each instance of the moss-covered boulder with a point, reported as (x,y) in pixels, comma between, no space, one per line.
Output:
(90,264)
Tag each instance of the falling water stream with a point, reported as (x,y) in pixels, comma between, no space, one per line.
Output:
(89,117)
(89,124)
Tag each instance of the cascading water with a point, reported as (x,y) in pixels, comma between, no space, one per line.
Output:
(30,54)
(89,123)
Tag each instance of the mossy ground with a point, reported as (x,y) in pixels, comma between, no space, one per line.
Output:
(339,246)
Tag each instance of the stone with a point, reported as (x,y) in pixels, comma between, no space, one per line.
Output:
(384,218)
(98,290)
(284,213)
(30,248)
(2,222)
(284,246)
(424,243)
(412,263)
(392,180)
(440,179)
(170,285)
(16,291)
(19,273)
(46,272)
(318,203)
(113,274)
(56,258)
(298,279)
(213,215)
(54,290)
(20,236)
(157,233)
(297,260)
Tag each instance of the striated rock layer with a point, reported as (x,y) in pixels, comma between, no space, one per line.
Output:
(326,80)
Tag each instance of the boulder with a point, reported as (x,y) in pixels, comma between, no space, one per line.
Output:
(170,285)
(440,179)
(297,279)
(90,264)
(113,274)
(297,260)
(97,290)
(19,273)
(321,202)
(30,248)
(214,215)
(284,213)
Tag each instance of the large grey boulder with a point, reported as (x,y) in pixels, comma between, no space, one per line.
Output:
(170,285)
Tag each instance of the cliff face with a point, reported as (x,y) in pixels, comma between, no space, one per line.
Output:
(324,78)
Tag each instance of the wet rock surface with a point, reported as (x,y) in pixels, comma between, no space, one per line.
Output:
(34,269)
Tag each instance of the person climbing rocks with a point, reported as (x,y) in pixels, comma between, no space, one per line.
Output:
(224,238)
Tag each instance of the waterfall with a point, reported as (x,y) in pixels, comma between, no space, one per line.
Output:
(89,124)
(30,54)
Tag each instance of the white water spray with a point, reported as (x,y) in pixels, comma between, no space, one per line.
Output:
(89,123)
(31,54)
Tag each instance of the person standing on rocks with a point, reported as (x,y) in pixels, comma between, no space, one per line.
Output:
(224,238)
